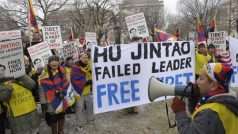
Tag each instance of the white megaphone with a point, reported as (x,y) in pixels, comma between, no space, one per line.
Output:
(158,89)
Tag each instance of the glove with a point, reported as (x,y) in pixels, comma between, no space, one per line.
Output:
(44,107)
(39,70)
(89,82)
(178,105)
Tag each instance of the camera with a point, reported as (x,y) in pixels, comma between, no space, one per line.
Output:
(59,94)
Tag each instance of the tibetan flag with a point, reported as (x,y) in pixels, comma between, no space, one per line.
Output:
(31,17)
(56,91)
(163,36)
(78,80)
(106,40)
(212,26)
(201,34)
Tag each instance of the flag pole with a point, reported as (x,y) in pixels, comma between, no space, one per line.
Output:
(72,33)
(29,23)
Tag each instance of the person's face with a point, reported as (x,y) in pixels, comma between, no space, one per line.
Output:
(133,33)
(54,64)
(203,82)
(84,58)
(211,51)
(202,50)
(36,36)
(70,62)
(38,63)
(2,72)
(26,61)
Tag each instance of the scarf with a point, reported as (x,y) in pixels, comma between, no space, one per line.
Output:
(207,96)
(78,78)
(56,90)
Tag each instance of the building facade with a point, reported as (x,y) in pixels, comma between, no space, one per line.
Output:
(227,16)
(130,7)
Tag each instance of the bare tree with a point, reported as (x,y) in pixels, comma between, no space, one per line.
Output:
(175,22)
(172,23)
(191,10)
(204,9)
(49,6)
(119,26)
(5,24)
(95,15)
(155,18)
(18,10)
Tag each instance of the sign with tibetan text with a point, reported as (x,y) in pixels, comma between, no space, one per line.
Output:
(10,35)
(39,54)
(52,35)
(218,39)
(12,61)
(136,25)
(91,39)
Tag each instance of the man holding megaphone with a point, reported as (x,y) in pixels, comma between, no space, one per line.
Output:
(217,110)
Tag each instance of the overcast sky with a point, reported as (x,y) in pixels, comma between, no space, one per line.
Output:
(170,5)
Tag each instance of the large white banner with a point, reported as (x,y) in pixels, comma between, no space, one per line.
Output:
(121,73)
(10,35)
(52,35)
(218,39)
(137,26)
(233,44)
(12,61)
(39,54)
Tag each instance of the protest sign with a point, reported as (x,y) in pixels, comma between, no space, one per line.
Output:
(136,25)
(121,73)
(70,50)
(10,35)
(233,44)
(39,54)
(58,52)
(12,61)
(218,39)
(91,39)
(52,35)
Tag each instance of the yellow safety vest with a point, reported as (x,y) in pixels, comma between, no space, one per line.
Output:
(33,72)
(67,71)
(228,118)
(21,101)
(87,69)
(200,61)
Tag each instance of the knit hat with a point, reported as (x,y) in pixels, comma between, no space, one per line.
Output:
(201,44)
(53,58)
(220,73)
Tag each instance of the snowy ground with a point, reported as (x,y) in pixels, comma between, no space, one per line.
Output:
(151,119)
